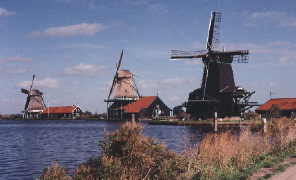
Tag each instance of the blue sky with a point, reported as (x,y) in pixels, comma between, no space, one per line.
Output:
(72,47)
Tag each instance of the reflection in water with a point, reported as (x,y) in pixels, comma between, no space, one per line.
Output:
(29,146)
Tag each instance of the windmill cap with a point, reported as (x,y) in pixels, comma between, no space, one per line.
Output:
(125,73)
(36,92)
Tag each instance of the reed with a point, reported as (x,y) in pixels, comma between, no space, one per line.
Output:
(127,154)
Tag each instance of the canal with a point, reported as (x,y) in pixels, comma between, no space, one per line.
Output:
(30,145)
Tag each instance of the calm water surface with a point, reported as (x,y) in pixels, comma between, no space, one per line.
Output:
(26,147)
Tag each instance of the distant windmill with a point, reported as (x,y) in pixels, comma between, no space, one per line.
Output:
(126,90)
(34,103)
(218,91)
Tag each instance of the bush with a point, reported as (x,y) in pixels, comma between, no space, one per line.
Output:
(127,154)
(55,172)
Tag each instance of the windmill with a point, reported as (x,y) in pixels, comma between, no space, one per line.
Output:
(218,91)
(126,91)
(34,103)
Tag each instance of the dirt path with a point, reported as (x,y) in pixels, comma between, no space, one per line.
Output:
(288,174)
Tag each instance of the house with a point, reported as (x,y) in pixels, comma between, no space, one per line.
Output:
(286,105)
(146,106)
(62,112)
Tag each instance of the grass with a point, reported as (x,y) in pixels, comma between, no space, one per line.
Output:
(127,154)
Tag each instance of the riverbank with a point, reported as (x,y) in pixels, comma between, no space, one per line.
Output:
(127,154)
(205,125)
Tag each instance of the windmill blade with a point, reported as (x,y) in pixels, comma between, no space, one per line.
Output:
(240,56)
(119,63)
(213,34)
(112,87)
(27,102)
(181,55)
(25,91)
(32,82)
(136,88)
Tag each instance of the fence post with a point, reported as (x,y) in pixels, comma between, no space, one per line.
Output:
(264,125)
(215,122)
(133,118)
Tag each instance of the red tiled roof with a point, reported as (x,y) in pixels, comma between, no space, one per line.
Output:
(282,103)
(136,106)
(59,110)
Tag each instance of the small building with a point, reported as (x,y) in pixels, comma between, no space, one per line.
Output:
(286,105)
(71,112)
(146,107)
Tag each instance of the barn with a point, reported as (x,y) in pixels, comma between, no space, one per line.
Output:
(146,106)
(59,112)
(286,105)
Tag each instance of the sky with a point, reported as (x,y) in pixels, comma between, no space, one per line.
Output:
(72,46)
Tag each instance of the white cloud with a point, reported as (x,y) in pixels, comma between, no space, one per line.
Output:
(72,30)
(136,3)
(4,12)
(269,15)
(85,69)
(280,51)
(44,83)
(85,46)
(105,87)
(277,17)
(174,99)
(272,84)
(147,84)
(172,82)
(17,58)
(158,8)
(19,71)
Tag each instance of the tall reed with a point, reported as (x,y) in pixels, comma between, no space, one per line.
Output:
(127,154)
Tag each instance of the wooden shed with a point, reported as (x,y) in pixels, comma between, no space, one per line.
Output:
(59,112)
(147,106)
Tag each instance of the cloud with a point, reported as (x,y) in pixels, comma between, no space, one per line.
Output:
(44,83)
(83,69)
(85,46)
(147,84)
(68,31)
(272,84)
(174,99)
(19,71)
(172,82)
(17,58)
(277,17)
(280,51)
(105,87)
(158,8)
(4,12)
(136,3)
(269,15)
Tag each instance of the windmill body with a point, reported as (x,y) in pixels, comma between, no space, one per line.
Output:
(126,92)
(34,103)
(125,88)
(218,92)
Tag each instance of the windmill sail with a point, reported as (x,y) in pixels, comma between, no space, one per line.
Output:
(217,86)
(34,102)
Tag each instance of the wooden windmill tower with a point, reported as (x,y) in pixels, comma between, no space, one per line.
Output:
(218,92)
(35,102)
(126,91)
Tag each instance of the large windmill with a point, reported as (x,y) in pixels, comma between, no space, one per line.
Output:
(126,91)
(34,103)
(218,92)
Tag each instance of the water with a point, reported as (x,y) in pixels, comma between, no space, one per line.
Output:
(26,147)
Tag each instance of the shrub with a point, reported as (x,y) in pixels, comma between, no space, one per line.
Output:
(55,172)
